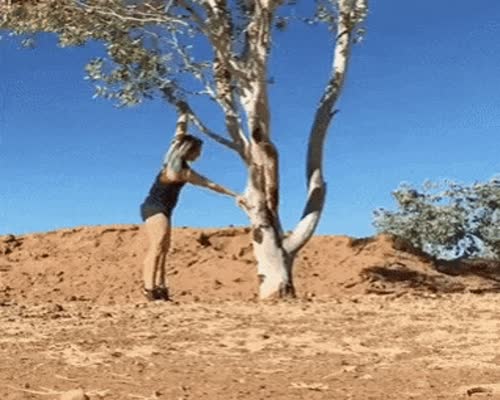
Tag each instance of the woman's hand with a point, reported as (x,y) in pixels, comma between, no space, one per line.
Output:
(242,202)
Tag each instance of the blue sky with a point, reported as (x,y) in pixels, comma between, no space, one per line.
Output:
(421,102)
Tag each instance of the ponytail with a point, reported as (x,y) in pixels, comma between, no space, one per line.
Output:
(178,150)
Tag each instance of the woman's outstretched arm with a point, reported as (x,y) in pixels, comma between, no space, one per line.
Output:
(188,175)
(199,180)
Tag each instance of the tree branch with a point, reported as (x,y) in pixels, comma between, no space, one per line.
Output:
(350,13)
(133,15)
(183,108)
(214,136)
(221,35)
(311,215)
(195,15)
(254,86)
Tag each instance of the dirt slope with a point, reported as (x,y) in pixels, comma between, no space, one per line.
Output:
(375,321)
(103,265)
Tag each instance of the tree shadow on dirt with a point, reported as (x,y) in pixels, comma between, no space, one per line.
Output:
(486,269)
(445,277)
(400,276)
(441,276)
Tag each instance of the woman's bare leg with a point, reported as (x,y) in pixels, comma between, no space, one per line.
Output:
(161,275)
(158,231)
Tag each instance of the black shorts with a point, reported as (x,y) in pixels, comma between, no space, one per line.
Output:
(148,210)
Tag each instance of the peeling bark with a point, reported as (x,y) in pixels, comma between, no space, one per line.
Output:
(274,264)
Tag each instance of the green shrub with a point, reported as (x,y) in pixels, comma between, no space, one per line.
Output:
(447,219)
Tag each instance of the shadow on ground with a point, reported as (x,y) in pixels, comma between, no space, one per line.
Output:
(445,277)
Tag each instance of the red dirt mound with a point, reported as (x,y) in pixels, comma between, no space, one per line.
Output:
(103,264)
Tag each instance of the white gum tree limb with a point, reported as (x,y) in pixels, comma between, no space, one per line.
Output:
(324,113)
(149,50)
(184,108)
(221,36)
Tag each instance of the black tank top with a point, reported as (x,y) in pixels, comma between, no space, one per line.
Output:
(164,196)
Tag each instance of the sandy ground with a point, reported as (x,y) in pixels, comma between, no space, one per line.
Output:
(374,320)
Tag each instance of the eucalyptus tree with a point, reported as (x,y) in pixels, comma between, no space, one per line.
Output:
(447,219)
(181,49)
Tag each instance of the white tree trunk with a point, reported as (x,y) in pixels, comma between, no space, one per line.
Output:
(274,264)
(275,254)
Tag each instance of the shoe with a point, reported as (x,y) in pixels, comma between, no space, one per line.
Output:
(157,293)
(149,294)
(161,293)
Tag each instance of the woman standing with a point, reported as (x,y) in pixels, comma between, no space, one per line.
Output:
(156,210)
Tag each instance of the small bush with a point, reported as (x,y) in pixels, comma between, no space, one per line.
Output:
(447,219)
